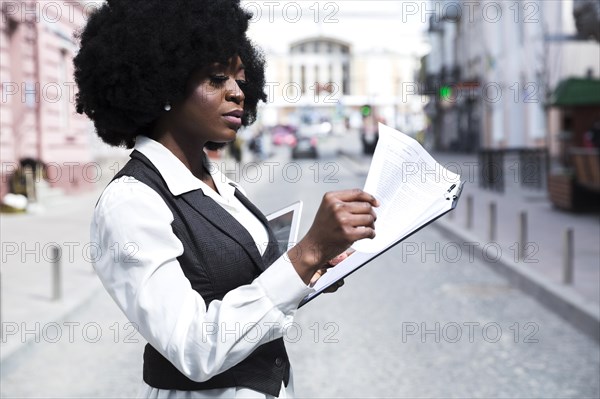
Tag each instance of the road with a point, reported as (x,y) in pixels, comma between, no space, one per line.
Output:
(431,321)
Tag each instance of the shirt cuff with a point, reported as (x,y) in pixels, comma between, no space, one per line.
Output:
(283,285)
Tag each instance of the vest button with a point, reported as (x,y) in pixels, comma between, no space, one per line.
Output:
(278,362)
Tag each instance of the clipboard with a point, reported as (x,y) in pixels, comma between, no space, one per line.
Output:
(453,194)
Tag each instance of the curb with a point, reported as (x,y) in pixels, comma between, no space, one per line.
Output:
(561,300)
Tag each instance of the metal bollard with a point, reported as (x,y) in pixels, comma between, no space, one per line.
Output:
(30,184)
(492,221)
(56,274)
(522,235)
(568,257)
(1,318)
(469,211)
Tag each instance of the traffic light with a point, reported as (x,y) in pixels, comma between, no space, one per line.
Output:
(445,92)
(365,110)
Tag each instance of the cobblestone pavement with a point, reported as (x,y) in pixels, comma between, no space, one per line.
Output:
(93,353)
(396,329)
(27,269)
(404,326)
(439,329)
(429,324)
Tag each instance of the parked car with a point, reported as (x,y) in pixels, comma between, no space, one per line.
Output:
(305,147)
(283,135)
(316,129)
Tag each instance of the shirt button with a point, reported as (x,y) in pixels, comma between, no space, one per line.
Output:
(278,362)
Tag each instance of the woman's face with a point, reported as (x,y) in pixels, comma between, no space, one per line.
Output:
(213,109)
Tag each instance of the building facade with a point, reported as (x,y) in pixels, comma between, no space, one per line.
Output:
(38,121)
(324,77)
(493,67)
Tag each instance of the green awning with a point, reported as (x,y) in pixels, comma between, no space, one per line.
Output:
(576,92)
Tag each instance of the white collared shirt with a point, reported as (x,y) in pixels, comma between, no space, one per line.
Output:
(139,268)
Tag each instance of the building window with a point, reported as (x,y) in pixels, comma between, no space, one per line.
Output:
(11,27)
(303,79)
(345,79)
(322,47)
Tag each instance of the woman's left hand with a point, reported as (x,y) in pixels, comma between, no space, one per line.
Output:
(331,262)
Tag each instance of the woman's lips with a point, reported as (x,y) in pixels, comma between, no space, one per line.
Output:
(233,120)
(234,117)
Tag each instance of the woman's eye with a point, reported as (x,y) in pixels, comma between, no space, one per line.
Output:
(218,80)
(241,82)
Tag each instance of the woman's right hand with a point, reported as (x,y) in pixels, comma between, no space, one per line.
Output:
(343,218)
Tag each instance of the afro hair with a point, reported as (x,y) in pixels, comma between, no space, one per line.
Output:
(137,55)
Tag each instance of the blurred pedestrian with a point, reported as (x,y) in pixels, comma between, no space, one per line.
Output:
(591,138)
(235,149)
(186,255)
(256,146)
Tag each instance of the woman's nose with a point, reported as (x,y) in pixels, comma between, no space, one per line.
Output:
(235,94)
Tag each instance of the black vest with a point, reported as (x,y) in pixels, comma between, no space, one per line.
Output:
(219,255)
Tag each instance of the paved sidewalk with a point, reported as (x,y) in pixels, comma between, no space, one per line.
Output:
(28,311)
(540,273)
(546,228)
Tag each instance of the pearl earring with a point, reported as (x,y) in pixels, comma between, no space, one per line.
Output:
(167,107)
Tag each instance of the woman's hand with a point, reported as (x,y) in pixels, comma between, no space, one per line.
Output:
(343,218)
(321,272)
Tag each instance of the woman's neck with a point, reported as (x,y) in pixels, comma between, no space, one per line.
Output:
(189,152)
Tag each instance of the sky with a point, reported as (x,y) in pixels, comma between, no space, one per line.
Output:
(393,25)
(396,26)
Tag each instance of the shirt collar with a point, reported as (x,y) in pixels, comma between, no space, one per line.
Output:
(178,177)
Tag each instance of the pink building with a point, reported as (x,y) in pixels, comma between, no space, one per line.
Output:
(37,117)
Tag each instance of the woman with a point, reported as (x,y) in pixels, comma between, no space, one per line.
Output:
(186,256)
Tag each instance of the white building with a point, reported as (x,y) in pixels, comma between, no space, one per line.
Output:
(502,61)
(323,77)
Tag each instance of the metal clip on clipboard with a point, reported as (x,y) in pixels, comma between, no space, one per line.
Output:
(454,192)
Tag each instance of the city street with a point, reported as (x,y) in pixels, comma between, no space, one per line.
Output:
(419,325)
(497,298)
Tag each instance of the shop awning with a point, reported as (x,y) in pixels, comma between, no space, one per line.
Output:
(576,92)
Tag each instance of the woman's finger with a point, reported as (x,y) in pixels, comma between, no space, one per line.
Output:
(361,220)
(353,195)
(338,258)
(317,276)
(334,287)
(357,207)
